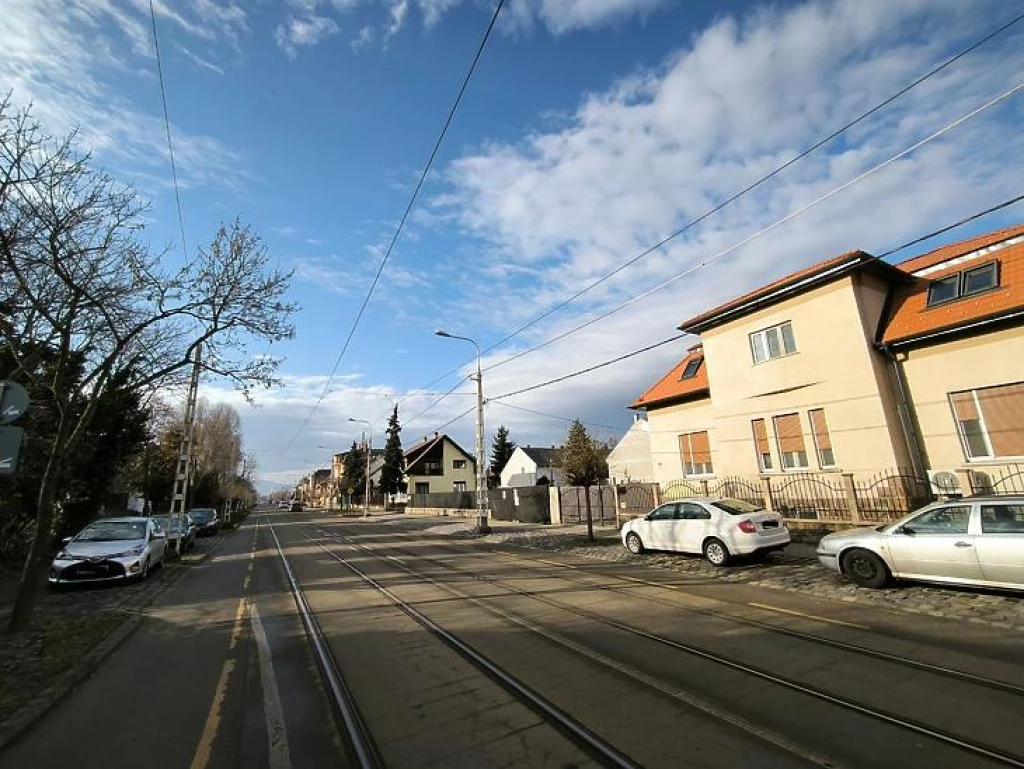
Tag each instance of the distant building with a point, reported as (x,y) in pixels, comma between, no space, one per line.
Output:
(528,464)
(436,464)
(630,460)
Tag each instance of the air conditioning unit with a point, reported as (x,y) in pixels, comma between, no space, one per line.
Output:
(944,483)
(981,482)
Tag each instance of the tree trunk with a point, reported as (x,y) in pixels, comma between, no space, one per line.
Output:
(590,515)
(39,554)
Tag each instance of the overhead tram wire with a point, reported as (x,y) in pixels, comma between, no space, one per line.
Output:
(405,215)
(746,190)
(559,418)
(765,230)
(167,128)
(648,348)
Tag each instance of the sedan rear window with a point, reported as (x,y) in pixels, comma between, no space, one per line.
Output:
(736,506)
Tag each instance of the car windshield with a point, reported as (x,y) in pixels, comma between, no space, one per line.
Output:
(109,531)
(164,522)
(736,506)
(201,516)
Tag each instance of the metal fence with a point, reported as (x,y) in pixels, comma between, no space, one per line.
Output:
(1007,479)
(573,504)
(456,500)
(890,495)
(810,496)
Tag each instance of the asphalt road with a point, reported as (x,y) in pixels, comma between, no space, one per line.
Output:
(459,654)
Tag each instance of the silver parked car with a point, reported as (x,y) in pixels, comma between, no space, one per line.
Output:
(110,549)
(971,541)
(719,528)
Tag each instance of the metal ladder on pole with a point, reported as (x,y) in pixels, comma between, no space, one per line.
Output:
(183,474)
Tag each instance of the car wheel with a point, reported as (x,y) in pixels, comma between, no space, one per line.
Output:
(716,552)
(634,543)
(865,568)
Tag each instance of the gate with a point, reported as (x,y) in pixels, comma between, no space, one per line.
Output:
(635,499)
(573,500)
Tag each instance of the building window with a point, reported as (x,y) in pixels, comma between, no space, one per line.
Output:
(459,485)
(695,449)
(822,440)
(459,464)
(790,437)
(761,445)
(692,368)
(773,342)
(967,283)
(422,487)
(990,421)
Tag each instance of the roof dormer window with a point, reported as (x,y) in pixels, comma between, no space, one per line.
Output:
(962,284)
(692,368)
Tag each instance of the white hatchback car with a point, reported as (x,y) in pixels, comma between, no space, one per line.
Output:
(718,528)
(972,541)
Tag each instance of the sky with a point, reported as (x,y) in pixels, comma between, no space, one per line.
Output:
(591,130)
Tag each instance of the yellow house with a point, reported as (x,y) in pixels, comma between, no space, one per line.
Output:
(854,365)
(438,464)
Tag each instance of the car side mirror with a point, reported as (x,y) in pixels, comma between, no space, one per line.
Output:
(65,541)
(906,530)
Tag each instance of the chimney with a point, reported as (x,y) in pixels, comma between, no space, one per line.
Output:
(435,434)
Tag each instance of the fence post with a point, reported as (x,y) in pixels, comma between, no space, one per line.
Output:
(555,504)
(851,498)
(966,477)
(766,491)
(704,487)
(615,502)
(656,488)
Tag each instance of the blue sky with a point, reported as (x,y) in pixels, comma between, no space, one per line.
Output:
(591,129)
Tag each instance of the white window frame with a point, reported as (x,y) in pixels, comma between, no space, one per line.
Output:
(457,466)
(759,342)
(456,486)
(990,455)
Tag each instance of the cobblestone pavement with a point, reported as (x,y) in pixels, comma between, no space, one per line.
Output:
(795,570)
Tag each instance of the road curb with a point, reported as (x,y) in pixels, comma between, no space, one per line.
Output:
(23,720)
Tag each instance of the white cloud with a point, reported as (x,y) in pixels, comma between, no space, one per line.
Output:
(363,39)
(65,56)
(396,17)
(303,32)
(199,61)
(564,205)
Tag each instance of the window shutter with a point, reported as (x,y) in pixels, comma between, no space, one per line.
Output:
(760,436)
(821,436)
(1003,409)
(964,406)
(791,436)
(687,452)
(701,448)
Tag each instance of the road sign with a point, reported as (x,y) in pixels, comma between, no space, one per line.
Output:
(10,447)
(13,401)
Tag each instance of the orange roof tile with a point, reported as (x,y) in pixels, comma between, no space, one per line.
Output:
(673,387)
(695,323)
(953,250)
(911,317)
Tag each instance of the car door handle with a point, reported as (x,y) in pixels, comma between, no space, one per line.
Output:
(963,544)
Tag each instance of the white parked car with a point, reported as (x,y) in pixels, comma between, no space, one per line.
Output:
(110,549)
(970,541)
(718,528)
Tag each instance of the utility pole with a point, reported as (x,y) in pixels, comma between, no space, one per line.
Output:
(183,474)
(482,525)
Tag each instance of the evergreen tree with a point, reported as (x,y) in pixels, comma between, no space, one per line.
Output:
(391,472)
(354,481)
(501,452)
(583,465)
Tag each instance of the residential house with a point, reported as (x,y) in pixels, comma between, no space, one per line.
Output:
(527,465)
(438,464)
(854,365)
(630,459)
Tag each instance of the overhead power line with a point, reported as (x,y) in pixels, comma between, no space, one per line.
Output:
(559,418)
(405,214)
(640,351)
(765,230)
(167,128)
(746,190)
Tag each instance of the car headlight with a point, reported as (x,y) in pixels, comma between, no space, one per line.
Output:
(134,551)
(64,555)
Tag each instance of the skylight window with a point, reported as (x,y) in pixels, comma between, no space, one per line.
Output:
(692,368)
(967,283)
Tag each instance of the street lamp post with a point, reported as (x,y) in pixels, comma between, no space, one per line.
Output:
(369,451)
(482,525)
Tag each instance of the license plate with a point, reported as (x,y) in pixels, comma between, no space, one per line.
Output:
(769,524)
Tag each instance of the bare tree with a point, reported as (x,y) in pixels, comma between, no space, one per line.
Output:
(77,279)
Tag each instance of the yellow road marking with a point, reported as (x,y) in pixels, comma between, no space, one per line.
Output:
(201,759)
(809,616)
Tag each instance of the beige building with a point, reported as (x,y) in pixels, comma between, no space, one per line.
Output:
(438,464)
(854,365)
(630,459)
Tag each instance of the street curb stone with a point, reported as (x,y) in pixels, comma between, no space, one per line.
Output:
(22,720)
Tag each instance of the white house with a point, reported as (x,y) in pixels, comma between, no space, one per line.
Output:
(527,464)
(631,460)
